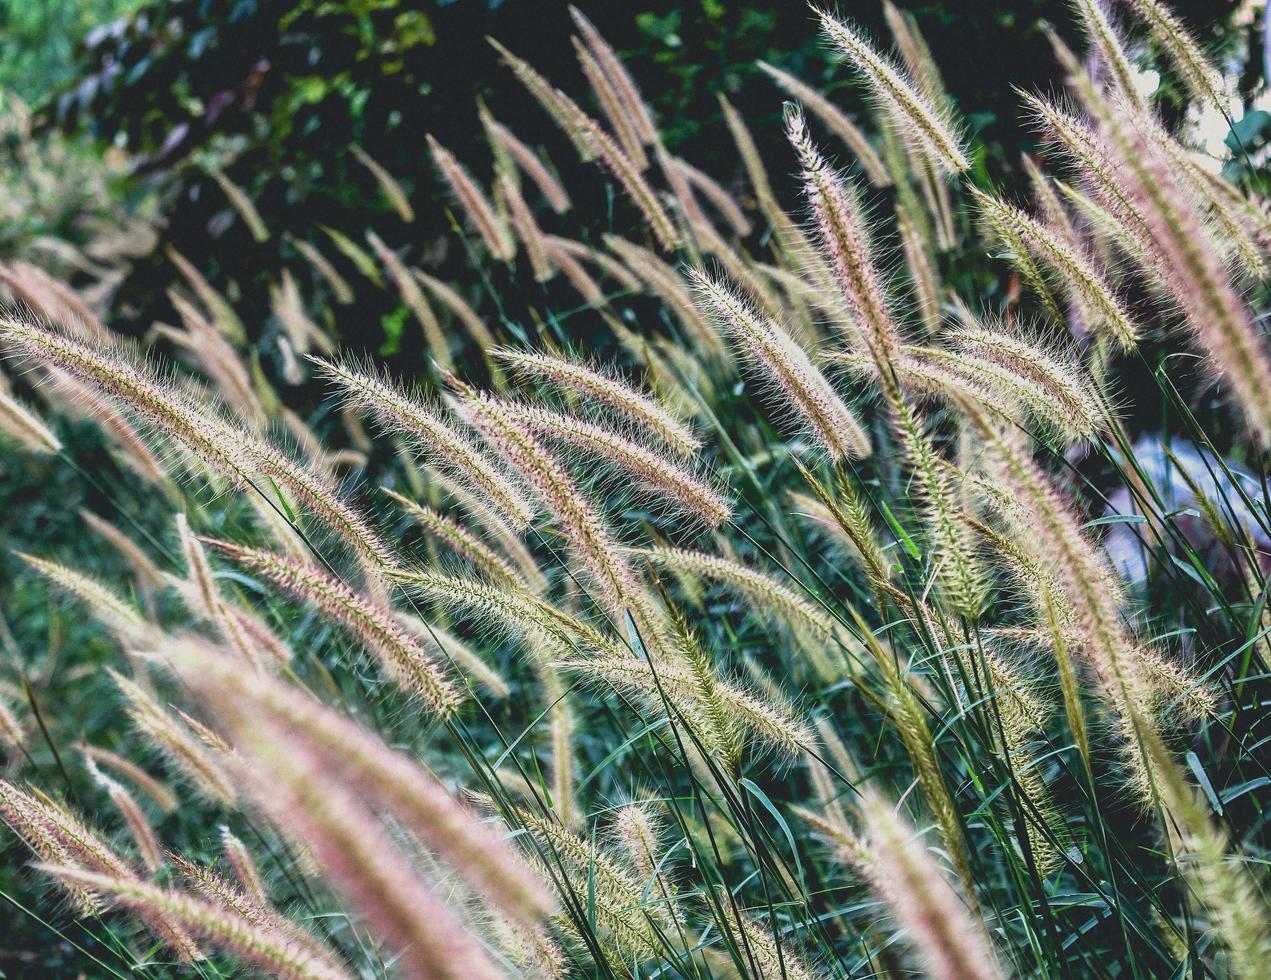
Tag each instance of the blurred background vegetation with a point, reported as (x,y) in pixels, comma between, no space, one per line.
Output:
(41,41)
(270,94)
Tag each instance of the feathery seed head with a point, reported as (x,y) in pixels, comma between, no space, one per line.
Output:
(128,808)
(24,815)
(57,834)
(278,955)
(396,650)
(119,616)
(462,542)
(1106,42)
(391,188)
(441,443)
(1204,82)
(240,859)
(161,405)
(473,202)
(835,120)
(163,797)
(911,111)
(512,610)
(227,450)
(633,105)
(603,388)
(845,240)
(1198,282)
(949,941)
(336,750)
(25,427)
(12,732)
(806,393)
(770,595)
(775,725)
(666,481)
(529,163)
(1055,388)
(1106,308)
(589,538)
(461,656)
(175,741)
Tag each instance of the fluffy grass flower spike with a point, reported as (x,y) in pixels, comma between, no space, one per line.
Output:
(908,108)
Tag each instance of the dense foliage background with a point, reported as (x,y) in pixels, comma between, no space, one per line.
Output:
(274,92)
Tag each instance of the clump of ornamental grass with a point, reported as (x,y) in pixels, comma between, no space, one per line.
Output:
(928,554)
